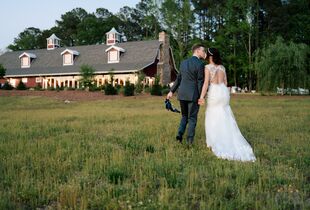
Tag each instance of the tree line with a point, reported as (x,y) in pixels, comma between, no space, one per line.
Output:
(255,37)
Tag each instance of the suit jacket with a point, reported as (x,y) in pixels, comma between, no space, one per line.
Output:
(190,79)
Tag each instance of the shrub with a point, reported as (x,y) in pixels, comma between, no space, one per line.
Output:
(119,89)
(38,87)
(69,88)
(165,90)
(139,84)
(156,88)
(94,88)
(129,89)
(21,86)
(58,88)
(51,88)
(110,90)
(147,89)
(7,86)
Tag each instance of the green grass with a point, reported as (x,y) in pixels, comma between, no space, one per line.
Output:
(121,154)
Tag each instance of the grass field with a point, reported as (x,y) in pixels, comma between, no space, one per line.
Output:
(121,154)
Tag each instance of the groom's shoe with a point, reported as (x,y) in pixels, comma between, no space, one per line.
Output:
(179,138)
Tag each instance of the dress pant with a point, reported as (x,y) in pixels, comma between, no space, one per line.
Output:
(189,110)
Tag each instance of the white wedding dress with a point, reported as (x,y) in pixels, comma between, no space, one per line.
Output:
(222,133)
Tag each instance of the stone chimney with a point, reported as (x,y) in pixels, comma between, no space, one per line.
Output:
(163,66)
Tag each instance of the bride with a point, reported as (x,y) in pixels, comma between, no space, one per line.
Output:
(222,133)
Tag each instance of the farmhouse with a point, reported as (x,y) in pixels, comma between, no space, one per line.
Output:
(58,66)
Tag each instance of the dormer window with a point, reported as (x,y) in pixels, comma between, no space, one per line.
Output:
(53,42)
(113,37)
(114,54)
(26,59)
(69,56)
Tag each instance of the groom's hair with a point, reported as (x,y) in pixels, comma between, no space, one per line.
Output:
(196,46)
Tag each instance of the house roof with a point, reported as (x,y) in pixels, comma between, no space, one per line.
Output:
(53,36)
(139,54)
(115,47)
(73,52)
(113,31)
(31,55)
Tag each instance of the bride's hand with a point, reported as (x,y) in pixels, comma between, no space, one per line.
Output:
(201,101)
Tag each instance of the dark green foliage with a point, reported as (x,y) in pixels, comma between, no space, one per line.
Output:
(150,149)
(87,74)
(283,65)
(116,175)
(38,87)
(21,86)
(2,71)
(51,88)
(146,89)
(7,86)
(110,90)
(139,84)
(238,28)
(156,88)
(94,88)
(129,89)
(165,90)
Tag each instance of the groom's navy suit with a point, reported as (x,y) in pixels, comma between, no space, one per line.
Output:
(189,83)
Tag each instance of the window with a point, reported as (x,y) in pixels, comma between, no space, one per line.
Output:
(25,62)
(114,53)
(113,56)
(26,59)
(38,79)
(24,80)
(67,59)
(69,56)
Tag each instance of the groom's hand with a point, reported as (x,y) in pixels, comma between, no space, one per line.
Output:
(169,95)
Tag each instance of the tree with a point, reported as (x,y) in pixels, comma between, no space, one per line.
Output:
(26,40)
(68,25)
(87,73)
(282,65)
(149,22)
(131,20)
(296,14)
(178,20)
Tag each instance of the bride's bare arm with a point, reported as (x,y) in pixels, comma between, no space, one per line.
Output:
(225,79)
(205,84)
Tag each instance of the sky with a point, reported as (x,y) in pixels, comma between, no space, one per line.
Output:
(16,15)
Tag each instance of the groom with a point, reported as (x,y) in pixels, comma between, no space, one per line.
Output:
(189,81)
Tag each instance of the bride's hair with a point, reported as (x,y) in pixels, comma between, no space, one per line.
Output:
(215,55)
